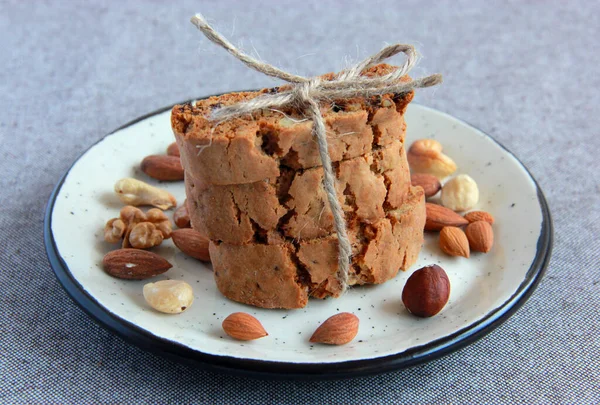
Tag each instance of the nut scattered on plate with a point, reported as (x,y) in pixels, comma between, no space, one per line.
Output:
(243,326)
(163,167)
(192,243)
(337,330)
(425,156)
(480,236)
(454,242)
(428,164)
(173,150)
(475,216)
(437,217)
(169,296)
(430,184)
(181,217)
(134,264)
(426,291)
(138,229)
(135,192)
(460,193)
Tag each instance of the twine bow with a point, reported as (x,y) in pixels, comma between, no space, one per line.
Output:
(305,94)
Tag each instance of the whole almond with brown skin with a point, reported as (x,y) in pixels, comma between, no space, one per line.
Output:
(173,150)
(181,216)
(426,291)
(192,243)
(243,326)
(475,216)
(454,242)
(163,167)
(480,236)
(337,330)
(134,264)
(438,217)
(431,185)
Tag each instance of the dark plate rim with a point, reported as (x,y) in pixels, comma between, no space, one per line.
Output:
(287,370)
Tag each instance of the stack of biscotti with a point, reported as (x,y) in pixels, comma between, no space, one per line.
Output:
(254,188)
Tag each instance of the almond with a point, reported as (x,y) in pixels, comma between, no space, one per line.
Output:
(134,264)
(192,243)
(426,291)
(337,330)
(454,242)
(480,236)
(173,150)
(181,216)
(243,326)
(431,185)
(438,217)
(163,167)
(475,216)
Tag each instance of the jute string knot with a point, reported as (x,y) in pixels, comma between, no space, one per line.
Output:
(306,94)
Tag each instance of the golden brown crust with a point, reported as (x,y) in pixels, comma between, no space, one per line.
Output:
(254,147)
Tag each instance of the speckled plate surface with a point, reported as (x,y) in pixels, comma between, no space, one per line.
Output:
(486,289)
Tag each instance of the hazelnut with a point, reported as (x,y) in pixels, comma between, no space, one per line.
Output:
(426,291)
(460,193)
(181,217)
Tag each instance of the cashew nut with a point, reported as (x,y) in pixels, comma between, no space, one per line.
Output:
(136,192)
(425,156)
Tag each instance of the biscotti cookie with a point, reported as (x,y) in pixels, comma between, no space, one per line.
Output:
(285,275)
(254,147)
(295,205)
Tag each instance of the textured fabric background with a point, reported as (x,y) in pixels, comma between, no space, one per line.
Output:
(525,72)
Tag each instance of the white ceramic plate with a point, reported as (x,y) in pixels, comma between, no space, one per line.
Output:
(485,289)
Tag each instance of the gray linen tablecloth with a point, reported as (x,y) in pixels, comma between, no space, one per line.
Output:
(526,73)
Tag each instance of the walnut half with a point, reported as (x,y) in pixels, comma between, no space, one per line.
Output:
(138,229)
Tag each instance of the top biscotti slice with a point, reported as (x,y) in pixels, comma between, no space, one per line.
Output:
(254,147)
